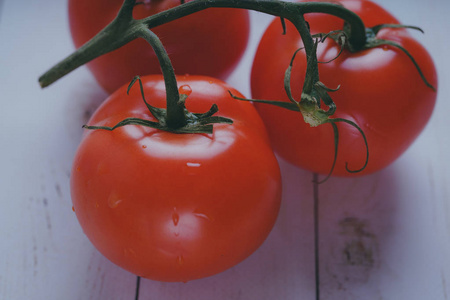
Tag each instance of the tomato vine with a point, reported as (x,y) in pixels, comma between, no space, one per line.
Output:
(124,28)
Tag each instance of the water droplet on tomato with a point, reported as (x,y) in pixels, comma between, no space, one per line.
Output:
(185,89)
(211,82)
(193,165)
(175,218)
(192,168)
(113,203)
(202,216)
(144,146)
(180,260)
(73,208)
(114,200)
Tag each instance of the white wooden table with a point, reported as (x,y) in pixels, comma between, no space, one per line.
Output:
(384,236)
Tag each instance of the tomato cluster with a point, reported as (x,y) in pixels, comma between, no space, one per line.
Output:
(181,206)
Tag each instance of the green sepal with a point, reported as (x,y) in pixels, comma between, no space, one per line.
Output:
(339,36)
(287,78)
(282,104)
(283,25)
(203,126)
(373,41)
(377,28)
(158,113)
(363,135)
(127,121)
(323,90)
(196,122)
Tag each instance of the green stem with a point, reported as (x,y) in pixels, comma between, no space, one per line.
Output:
(282,9)
(122,30)
(175,116)
(125,29)
(127,9)
(312,70)
(357,34)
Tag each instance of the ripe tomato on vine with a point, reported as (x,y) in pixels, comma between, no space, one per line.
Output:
(380,89)
(170,206)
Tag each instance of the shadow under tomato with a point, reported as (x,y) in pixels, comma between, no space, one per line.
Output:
(282,268)
(357,217)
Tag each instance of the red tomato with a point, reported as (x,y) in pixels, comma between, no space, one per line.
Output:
(380,90)
(209,42)
(176,207)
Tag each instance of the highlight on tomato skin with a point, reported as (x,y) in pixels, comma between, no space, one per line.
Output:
(380,90)
(176,207)
(209,42)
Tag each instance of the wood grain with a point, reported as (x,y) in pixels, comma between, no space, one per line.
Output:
(383,236)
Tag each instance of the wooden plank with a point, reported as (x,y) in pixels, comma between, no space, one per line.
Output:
(45,253)
(381,236)
(1,10)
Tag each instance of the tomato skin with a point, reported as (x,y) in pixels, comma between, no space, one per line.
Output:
(176,207)
(380,90)
(210,42)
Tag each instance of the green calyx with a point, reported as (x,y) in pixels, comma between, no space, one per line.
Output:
(311,112)
(372,42)
(313,94)
(193,122)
